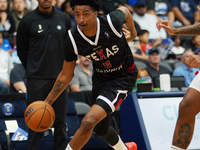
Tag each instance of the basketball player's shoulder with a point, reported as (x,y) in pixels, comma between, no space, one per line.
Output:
(103,18)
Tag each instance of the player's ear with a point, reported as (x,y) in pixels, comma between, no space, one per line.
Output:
(95,13)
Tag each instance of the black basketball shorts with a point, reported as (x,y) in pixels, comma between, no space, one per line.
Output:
(110,93)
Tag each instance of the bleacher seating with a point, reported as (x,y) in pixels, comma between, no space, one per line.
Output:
(12,110)
(83,96)
(166,65)
(82,108)
(140,64)
(177,64)
(13,107)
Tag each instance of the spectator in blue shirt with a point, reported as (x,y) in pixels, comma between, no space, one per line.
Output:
(185,11)
(185,70)
(4,43)
(161,9)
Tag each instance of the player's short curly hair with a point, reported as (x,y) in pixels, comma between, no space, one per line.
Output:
(96,4)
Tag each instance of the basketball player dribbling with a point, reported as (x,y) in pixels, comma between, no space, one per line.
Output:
(101,39)
(190,105)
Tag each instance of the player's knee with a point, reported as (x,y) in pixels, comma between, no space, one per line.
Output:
(88,124)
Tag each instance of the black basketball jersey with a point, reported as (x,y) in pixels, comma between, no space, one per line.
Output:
(108,50)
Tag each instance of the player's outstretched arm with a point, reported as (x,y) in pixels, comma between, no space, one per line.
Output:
(129,24)
(62,81)
(191,30)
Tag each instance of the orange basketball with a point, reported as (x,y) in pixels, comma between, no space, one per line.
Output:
(39,116)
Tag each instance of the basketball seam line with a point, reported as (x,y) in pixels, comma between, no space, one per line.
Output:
(42,116)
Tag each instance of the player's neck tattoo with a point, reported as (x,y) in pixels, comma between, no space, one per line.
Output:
(188,30)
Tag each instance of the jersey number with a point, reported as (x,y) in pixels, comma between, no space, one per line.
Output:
(107,64)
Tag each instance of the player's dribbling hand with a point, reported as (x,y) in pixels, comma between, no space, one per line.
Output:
(193,61)
(166,25)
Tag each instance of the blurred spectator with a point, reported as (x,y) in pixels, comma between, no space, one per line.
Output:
(130,8)
(133,2)
(147,21)
(185,11)
(6,66)
(110,5)
(161,9)
(19,11)
(165,48)
(15,58)
(7,23)
(154,69)
(198,6)
(65,7)
(142,73)
(195,42)
(136,50)
(185,70)
(137,27)
(19,8)
(31,4)
(142,77)
(143,46)
(14,55)
(17,80)
(144,41)
(177,50)
(82,80)
(4,44)
(54,2)
(3,87)
(196,2)
(197,51)
(58,4)
(135,45)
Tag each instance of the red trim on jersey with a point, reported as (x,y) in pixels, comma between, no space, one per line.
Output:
(131,68)
(119,102)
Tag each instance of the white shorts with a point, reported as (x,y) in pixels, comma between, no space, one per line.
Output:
(195,84)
